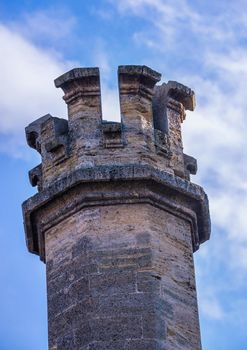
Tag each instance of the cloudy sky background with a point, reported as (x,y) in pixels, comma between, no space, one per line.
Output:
(202,44)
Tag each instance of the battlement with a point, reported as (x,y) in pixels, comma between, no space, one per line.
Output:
(116,218)
(149,131)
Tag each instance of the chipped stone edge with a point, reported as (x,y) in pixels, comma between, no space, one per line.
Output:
(76,73)
(139,70)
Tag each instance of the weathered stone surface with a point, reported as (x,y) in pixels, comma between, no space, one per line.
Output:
(116,218)
(112,132)
(190,165)
(35,177)
(134,180)
(147,283)
(33,132)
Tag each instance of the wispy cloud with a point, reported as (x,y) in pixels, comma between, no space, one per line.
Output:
(174,24)
(27,90)
(50,27)
(212,41)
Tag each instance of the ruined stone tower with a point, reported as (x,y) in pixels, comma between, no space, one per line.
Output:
(116,218)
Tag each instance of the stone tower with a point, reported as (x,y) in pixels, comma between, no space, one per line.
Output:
(116,218)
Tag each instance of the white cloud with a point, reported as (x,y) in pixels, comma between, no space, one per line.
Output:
(178,24)
(27,89)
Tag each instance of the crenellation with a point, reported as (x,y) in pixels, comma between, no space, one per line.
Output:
(137,80)
(82,94)
(136,88)
(83,97)
(116,219)
(170,102)
(149,131)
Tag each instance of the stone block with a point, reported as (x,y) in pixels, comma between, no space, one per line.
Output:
(148,281)
(116,282)
(116,328)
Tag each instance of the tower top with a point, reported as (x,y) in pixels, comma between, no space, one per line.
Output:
(145,146)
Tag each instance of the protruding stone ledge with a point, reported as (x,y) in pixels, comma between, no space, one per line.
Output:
(182,94)
(75,74)
(137,80)
(190,165)
(79,83)
(33,132)
(190,197)
(172,96)
(35,176)
(140,70)
(47,134)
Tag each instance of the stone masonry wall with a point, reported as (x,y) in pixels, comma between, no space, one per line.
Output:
(121,277)
(116,218)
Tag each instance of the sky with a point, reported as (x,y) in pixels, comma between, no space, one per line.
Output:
(202,44)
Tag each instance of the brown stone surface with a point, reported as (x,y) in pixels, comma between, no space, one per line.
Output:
(116,218)
(122,272)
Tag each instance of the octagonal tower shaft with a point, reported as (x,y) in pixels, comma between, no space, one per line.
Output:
(116,218)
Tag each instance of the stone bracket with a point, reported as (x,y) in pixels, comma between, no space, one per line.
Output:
(190,165)
(35,176)
(182,94)
(50,137)
(33,132)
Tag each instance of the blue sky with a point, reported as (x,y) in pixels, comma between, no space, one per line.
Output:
(202,44)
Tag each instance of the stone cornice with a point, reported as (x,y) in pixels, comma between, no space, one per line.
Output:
(150,185)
